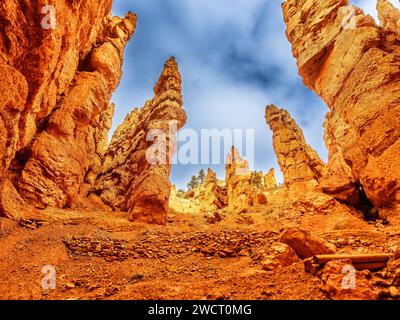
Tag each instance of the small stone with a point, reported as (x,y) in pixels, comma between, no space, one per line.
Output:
(394,292)
(70,285)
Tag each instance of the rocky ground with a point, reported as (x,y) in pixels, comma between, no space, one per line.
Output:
(241,238)
(99,258)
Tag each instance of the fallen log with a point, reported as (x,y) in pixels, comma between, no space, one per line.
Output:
(370,265)
(359,261)
(357,258)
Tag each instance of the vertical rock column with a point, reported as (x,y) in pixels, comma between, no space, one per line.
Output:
(270,180)
(135,174)
(297,160)
(213,197)
(238,182)
(60,63)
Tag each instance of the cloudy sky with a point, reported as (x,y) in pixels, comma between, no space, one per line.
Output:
(234,59)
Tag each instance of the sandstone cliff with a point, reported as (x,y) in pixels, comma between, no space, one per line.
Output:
(59,67)
(353,64)
(135,174)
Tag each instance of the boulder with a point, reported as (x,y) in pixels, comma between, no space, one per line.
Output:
(305,244)
(340,281)
(278,255)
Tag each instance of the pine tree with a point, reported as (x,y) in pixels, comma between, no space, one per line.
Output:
(201,178)
(193,183)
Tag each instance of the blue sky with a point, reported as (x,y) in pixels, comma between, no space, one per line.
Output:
(234,59)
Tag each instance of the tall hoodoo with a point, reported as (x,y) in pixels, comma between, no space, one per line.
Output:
(353,64)
(135,174)
(297,160)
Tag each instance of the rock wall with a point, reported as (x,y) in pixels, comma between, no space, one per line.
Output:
(297,160)
(59,65)
(354,65)
(135,174)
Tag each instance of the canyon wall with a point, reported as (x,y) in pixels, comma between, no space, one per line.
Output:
(60,65)
(353,64)
(135,174)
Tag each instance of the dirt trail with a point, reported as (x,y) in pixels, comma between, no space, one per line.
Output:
(187,259)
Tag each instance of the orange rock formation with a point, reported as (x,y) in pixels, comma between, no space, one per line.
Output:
(132,179)
(238,181)
(360,84)
(297,160)
(213,196)
(56,86)
(270,180)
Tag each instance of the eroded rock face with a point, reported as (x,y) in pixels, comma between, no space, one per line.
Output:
(56,86)
(238,182)
(305,244)
(270,180)
(298,161)
(135,174)
(353,64)
(213,196)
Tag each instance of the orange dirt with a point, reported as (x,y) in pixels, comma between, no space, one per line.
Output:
(187,259)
